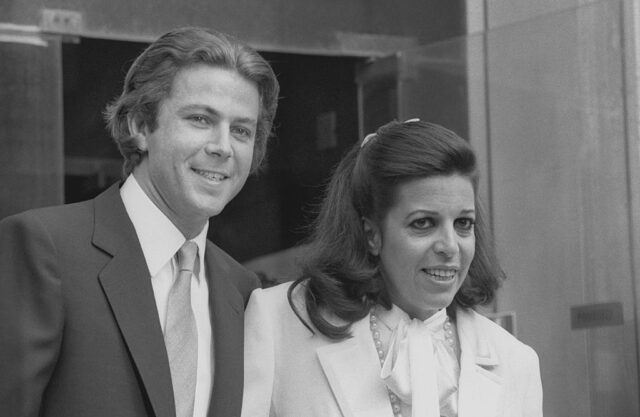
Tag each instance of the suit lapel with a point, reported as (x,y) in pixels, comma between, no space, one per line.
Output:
(352,370)
(480,388)
(127,286)
(227,317)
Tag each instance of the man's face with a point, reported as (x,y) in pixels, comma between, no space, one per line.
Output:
(199,156)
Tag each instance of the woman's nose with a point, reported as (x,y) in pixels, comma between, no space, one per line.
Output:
(446,243)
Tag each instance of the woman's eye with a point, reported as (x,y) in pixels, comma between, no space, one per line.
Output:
(465,224)
(422,223)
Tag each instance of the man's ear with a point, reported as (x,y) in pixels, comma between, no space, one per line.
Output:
(372,234)
(138,132)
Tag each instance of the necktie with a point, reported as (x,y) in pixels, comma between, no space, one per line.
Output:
(181,336)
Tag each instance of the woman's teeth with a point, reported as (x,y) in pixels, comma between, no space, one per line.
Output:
(441,274)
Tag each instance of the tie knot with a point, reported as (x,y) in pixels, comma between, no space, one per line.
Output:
(187,256)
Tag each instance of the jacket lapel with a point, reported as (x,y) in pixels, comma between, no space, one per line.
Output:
(227,317)
(480,388)
(126,284)
(352,370)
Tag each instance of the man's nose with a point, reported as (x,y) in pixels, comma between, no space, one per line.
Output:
(219,142)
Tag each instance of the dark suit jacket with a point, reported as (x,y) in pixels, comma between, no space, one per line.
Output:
(79,328)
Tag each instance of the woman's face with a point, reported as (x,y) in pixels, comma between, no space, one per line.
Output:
(426,242)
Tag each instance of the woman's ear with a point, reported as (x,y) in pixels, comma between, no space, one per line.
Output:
(372,234)
(138,133)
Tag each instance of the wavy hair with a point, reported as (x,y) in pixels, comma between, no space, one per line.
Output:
(151,76)
(341,278)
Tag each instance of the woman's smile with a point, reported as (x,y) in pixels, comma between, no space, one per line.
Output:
(441,275)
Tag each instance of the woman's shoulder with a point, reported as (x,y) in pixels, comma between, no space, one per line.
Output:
(276,303)
(278,294)
(481,327)
(271,296)
(275,300)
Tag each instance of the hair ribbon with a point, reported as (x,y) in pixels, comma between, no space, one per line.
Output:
(367,139)
(373,135)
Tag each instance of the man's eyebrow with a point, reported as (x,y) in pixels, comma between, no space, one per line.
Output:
(198,107)
(210,110)
(247,120)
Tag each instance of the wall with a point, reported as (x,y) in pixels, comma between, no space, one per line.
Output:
(348,27)
(30,125)
(506,12)
(563,154)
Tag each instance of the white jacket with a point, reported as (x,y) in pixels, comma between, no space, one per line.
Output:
(290,372)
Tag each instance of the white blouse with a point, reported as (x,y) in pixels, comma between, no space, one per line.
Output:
(425,384)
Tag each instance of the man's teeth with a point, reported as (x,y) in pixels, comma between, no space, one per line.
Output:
(211,175)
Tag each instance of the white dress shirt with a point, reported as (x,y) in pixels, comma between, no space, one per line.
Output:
(160,240)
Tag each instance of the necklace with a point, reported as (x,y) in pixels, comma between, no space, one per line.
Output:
(375,334)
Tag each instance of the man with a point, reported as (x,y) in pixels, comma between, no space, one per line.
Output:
(92,320)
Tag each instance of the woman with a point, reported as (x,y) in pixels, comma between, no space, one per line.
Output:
(381,321)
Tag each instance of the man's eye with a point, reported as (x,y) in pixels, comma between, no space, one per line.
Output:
(242,132)
(199,119)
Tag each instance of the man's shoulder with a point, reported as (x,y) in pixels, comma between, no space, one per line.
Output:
(55,219)
(59,211)
(239,276)
(223,259)
(52,215)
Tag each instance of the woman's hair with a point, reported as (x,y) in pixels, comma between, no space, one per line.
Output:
(151,76)
(341,278)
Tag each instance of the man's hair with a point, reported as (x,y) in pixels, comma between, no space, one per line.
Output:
(341,278)
(151,76)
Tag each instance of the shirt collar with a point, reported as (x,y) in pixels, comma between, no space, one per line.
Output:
(391,318)
(159,238)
